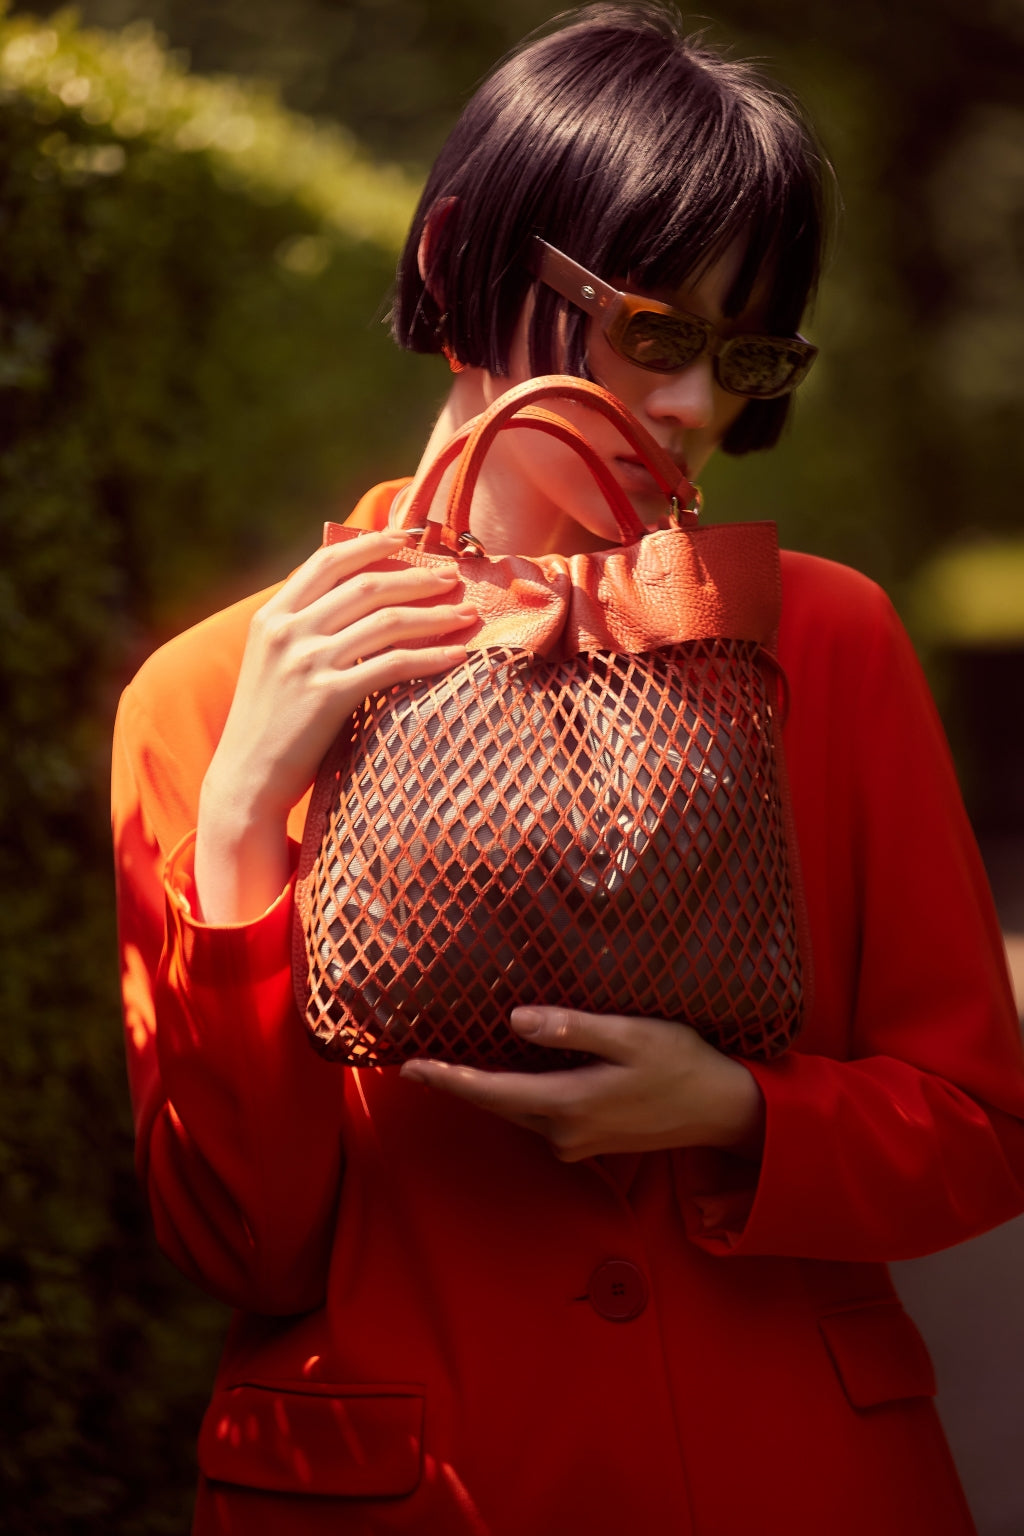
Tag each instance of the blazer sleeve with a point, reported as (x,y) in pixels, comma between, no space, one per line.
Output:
(238,1122)
(896,1127)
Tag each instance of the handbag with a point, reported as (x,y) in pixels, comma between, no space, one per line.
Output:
(592,811)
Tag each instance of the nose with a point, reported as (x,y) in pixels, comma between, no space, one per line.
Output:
(685,399)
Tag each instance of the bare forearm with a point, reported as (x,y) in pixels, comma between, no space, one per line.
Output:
(241,861)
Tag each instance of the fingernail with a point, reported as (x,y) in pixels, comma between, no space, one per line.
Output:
(412,1072)
(465,611)
(454,652)
(526,1020)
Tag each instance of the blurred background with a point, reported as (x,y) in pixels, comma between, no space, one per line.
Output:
(201,202)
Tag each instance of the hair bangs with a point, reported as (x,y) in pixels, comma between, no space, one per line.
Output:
(739,178)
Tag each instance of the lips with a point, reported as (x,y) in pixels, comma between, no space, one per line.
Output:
(633,458)
(635,475)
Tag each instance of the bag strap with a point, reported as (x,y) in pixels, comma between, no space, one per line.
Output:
(517,408)
(414,513)
(669,477)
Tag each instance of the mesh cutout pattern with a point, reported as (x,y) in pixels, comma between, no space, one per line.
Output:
(603,833)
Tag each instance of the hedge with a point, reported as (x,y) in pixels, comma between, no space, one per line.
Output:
(192,370)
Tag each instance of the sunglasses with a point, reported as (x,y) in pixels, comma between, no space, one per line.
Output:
(664,339)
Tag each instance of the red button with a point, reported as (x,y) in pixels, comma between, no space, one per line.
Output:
(617,1290)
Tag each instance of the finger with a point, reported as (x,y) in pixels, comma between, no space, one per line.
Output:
(395,666)
(368,591)
(332,563)
(394,628)
(530,1099)
(610,1035)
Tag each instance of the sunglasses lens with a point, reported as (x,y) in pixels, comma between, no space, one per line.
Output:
(762,366)
(662,342)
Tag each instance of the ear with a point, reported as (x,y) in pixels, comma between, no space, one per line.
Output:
(434,225)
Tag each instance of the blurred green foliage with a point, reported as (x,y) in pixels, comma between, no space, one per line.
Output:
(190,374)
(192,371)
(970,596)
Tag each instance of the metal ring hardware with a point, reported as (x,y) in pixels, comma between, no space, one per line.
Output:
(469,544)
(690,512)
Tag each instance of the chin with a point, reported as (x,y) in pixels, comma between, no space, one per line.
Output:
(652,510)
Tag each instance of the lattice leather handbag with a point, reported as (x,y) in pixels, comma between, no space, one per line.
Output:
(591,811)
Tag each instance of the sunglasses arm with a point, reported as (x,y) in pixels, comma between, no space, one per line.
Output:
(572,281)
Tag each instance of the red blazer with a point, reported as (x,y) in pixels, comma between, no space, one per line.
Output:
(442,1328)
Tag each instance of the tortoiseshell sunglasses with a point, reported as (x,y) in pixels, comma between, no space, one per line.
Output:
(664,339)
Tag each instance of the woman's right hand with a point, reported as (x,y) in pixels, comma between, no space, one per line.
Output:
(334,633)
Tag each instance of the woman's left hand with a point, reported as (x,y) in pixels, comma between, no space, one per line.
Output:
(657,1085)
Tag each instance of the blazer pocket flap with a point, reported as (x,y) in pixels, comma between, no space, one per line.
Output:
(355,1441)
(878,1354)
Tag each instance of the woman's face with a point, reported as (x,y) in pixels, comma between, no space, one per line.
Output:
(558,506)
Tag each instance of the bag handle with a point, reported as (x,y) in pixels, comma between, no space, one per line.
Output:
(414,514)
(667,474)
(514,408)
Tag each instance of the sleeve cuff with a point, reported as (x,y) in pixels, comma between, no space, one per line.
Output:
(721,1194)
(216,953)
(716,1192)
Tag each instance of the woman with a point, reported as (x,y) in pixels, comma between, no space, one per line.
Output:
(649,1294)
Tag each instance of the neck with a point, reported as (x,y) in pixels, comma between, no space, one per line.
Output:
(532,526)
(467,397)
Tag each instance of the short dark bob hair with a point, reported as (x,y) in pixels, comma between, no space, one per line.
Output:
(641,153)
